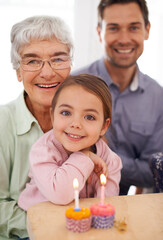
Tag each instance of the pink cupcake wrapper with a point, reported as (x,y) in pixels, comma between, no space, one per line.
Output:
(81,225)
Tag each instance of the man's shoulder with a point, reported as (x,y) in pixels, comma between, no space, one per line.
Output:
(150,83)
(91,68)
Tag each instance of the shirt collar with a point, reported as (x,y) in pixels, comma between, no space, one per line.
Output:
(135,84)
(102,71)
(24,118)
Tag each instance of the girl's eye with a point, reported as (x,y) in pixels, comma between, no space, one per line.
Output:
(90,117)
(65,113)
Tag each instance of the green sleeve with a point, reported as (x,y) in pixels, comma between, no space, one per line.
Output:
(12,218)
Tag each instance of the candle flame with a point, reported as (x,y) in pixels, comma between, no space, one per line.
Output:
(103,179)
(75,183)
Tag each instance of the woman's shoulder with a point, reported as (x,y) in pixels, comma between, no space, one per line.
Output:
(10,108)
(7,112)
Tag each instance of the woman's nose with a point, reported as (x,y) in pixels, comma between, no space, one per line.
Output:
(47,72)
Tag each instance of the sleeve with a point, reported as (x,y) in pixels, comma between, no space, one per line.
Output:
(114,164)
(12,218)
(136,171)
(55,179)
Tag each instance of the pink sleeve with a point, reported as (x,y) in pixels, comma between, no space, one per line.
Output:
(114,164)
(53,177)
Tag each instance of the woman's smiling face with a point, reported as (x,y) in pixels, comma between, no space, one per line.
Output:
(42,84)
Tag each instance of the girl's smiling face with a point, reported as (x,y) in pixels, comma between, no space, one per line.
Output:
(78,119)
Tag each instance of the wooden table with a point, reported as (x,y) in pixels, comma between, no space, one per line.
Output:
(138,217)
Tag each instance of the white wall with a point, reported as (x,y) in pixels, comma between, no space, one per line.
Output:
(87,46)
(151,60)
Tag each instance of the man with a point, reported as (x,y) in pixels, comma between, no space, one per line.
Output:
(136,131)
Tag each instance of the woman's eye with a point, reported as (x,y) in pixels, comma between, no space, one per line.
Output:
(57,60)
(33,62)
(65,113)
(89,117)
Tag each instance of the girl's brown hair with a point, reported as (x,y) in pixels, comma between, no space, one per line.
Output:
(92,84)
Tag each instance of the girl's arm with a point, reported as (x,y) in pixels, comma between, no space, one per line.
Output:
(100,165)
(114,166)
(53,175)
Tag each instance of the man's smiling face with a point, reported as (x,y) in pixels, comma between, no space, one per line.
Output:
(123,33)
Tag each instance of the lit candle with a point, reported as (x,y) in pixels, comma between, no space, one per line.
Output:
(103,182)
(76,194)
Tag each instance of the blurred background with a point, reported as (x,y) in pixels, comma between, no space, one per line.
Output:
(81,16)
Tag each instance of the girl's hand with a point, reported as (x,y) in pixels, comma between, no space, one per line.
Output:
(99,164)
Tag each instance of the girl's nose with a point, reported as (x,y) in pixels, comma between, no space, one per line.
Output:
(76,123)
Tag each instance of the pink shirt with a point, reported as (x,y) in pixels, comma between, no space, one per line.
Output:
(52,173)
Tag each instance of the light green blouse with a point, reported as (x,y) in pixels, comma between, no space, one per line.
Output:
(18,131)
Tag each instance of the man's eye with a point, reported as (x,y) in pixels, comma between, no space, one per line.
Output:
(65,113)
(112,28)
(89,117)
(134,28)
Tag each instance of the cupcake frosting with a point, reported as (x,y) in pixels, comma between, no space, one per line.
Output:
(82,213)
(102,210)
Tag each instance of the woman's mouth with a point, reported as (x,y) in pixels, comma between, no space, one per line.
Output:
(47,85)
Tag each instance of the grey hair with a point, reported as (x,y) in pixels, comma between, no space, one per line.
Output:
(40,28)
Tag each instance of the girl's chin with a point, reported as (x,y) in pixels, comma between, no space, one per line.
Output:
(70,150)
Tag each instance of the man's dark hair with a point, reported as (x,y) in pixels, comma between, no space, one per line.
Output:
(105,3)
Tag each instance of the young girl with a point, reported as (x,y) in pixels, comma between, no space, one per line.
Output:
(81,114)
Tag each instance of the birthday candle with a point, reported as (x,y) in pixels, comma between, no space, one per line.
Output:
(103,182)
(76,194)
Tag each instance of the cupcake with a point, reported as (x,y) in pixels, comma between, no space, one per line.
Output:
(102,215)
(78,220)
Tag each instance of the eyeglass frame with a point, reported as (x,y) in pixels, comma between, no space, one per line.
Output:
(69,59)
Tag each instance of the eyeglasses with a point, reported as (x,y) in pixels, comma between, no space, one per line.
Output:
(32,64)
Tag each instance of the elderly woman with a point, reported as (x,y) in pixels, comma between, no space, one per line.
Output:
(41,54)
